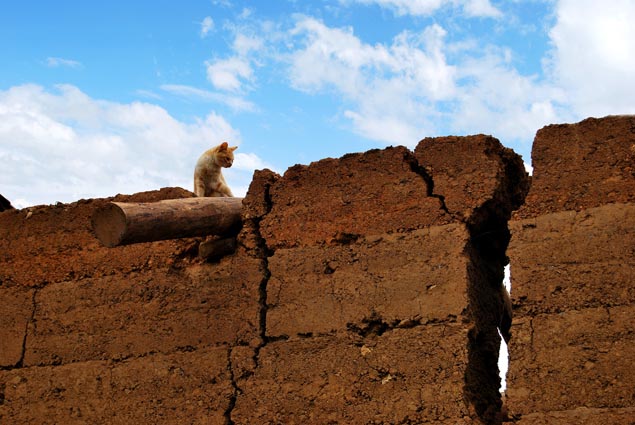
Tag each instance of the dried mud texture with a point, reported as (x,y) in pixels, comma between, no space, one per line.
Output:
(582,165)
(88,328)
(572,359)
(17,313)
(574,260)
(571,254)
(408,375)
(365,247)
(415,277)
(582,415)
(189,387)
(336,200)
(48,244)
(479,174)
(113,318)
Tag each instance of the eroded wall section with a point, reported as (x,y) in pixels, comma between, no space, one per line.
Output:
(134,334)
(572,259)
(378,310)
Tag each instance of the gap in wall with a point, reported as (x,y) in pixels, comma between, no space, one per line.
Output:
(503,356)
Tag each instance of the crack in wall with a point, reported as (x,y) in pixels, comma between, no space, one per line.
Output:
(487,311)
(235,390)
(30,322)
(489,239)
(486,253)
(422,172)
(261,252)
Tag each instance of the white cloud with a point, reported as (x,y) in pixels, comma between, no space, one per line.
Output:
(404,7)
(206,26)
(472,8)
(480,8)
(593,55)
(494,98)
(54,62)
(237,103)
(331,56)
(391,87)
(148,94)
(250,161)
(244,44)
(230,74)
(62,145)
(418,85)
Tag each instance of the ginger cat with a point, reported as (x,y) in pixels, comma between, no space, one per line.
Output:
(208,178)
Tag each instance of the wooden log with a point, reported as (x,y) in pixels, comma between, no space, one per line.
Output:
(122,223)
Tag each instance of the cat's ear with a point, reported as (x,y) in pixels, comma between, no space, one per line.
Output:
(233,148)
(223,146)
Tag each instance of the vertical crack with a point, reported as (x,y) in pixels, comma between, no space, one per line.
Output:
(235,390)
(531,337)
(256,205)
(489,304)
(264,254)
(489,237)
(29,322)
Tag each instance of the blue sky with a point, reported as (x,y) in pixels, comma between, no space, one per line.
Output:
(100,98)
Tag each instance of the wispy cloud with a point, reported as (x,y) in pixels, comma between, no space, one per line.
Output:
(236,72)
(236,103)
(149,94)
(471,8)
(55,62)
(206,26)
(480,8)
(392,88)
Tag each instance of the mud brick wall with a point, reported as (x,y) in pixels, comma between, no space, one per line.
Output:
(365,289)
(135,334)
(572,259)
(377,306)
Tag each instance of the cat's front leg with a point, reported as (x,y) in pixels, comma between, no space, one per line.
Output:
(226,191)
(199,188)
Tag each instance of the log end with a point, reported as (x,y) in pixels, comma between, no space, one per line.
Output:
(109,224)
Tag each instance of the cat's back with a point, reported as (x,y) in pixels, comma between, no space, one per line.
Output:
(207,156)
(205,161)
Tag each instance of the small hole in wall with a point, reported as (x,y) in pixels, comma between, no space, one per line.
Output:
(503,355)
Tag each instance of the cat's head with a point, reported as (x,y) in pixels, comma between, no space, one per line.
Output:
(225,155)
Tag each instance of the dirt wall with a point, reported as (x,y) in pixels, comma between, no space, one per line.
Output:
(358,294)
(365,289)
(572,260)
(378,309)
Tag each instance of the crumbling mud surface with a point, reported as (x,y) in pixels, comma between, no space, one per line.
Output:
(582,165)
(364,256)
(54,243)
(572,251)
(138,333)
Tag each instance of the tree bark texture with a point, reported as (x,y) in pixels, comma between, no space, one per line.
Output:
(122,223)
